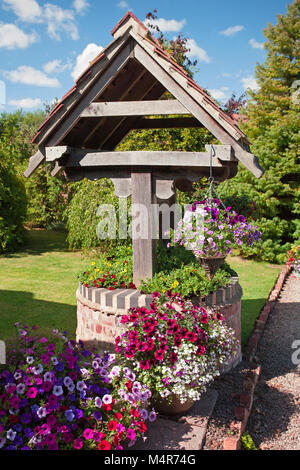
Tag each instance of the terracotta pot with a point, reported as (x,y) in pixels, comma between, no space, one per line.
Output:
(173,408)
(210,264)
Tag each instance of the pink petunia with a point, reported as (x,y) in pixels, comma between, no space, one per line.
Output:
(31,392)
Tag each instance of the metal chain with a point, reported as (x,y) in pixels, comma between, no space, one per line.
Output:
(211,180)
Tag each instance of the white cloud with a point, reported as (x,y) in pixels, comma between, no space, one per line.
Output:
(250,82)
(123,4)
(83,59)
(81,5)
(25,10)
(56,66)
(232,30)
(26,103)
(30,76)
(255,44)
(219,94)
(57,19)
(11,37)
(166,25)
(60,20)
(196,51)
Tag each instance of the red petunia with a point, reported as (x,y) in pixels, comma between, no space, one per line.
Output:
(144,365)
(142,426)
(134,413)
(112,425)
(104,445)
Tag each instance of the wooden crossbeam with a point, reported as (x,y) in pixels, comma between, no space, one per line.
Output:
(134,108)
(168,123)
(76,158)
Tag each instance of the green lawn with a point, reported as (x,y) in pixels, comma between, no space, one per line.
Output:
(257,279)
(38,284)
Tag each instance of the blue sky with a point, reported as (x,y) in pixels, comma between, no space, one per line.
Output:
(44,46)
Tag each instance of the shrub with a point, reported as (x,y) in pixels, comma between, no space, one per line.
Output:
(12,210)
(82,219)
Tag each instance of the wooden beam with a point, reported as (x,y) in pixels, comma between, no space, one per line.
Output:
(90,158)
(114,125)
(133,108)
(249,160)
(143,245)
(129,78)
(34,162)
(104,80)
(154,91)
(168,123)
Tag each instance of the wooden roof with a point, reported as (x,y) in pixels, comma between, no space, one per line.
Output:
(133,67)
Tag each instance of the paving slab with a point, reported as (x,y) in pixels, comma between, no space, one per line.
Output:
(182,433)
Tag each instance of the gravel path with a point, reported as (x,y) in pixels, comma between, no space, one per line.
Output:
(275,419)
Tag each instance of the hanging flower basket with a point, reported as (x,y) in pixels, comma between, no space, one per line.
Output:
(210,264)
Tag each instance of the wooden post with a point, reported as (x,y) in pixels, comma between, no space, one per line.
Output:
(143,252)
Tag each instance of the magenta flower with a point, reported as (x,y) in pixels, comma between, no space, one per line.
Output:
(88,433)
(31,392)
(131,434)
(78,444)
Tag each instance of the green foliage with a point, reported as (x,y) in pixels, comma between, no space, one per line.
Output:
(247,442)
(12,210)
(177,271)
(186,140)
(82,219)
(111,270)
(48,198)
(46,195)
(273,125)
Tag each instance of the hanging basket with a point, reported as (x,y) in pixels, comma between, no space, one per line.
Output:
(210,264)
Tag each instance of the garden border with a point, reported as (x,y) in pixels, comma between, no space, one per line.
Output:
(243,410)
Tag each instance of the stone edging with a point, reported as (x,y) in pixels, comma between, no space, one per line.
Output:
(123,299)
(243,410)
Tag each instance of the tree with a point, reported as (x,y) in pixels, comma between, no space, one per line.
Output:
(46,195)
(271,120)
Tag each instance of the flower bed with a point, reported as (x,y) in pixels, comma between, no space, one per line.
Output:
(55,394)
(178,271)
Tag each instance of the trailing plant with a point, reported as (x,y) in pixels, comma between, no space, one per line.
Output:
(175,347)
(208,229)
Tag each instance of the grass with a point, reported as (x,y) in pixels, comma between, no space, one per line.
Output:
(257,280)
(38,284)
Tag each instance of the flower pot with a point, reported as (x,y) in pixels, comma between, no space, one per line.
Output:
(210,264)
(173,408)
